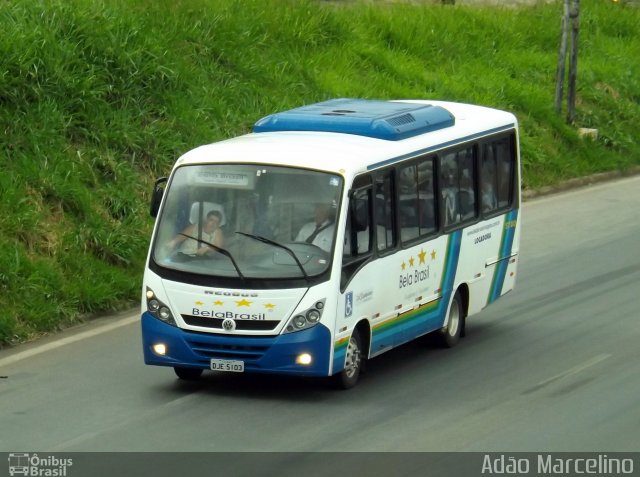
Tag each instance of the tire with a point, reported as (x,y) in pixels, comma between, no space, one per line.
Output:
(353,365)
(188,374)
(449,335)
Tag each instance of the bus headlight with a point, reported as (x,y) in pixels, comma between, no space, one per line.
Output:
(164,313)
(313,316)
(299,321)
(159,309)
(306,318)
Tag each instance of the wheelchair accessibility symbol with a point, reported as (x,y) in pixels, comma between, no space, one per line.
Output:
(348,304)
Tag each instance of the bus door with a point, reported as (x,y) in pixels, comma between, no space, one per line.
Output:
(365,284)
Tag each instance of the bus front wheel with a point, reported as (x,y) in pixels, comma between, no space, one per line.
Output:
(188,374)
(353,364)
(450,334)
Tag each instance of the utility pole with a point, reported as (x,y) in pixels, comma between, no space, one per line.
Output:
(573,61)
(571,16)
(562,57)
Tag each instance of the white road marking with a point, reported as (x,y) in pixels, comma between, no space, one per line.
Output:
(158,411)
(575,370)
(68,340)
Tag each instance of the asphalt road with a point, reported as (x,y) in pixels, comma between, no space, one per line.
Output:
(554,366)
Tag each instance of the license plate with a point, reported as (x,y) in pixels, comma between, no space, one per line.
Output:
(227,365)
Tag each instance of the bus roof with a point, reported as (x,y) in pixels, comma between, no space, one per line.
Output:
(341,151)
(387,120)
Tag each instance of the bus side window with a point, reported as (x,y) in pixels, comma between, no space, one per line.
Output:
(489,179)
(408,205)
(384,212)
(449,185)
(497,173)
(426,198)
(458,186)
(504,161)
(417,200)
(358,234)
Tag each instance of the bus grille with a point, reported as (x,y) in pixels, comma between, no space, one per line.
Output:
(211,349)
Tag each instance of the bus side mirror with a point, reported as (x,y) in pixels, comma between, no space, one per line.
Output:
(156,196)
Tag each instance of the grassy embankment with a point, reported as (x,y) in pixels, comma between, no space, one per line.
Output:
(99,98)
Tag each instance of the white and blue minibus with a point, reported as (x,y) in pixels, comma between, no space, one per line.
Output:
(330,234)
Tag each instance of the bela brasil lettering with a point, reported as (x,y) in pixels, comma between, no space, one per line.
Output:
(228,314)
(417,276)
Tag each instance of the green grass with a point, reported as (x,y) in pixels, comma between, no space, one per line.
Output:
(97,99)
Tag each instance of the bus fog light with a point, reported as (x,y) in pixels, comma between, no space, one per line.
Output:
(304,359)
(160,349)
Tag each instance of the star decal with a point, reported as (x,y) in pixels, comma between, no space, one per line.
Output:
(433,255)
(421,255)
(243,302)
(411,261)
(403,266)
(270,306)
(199,303)
(218,303)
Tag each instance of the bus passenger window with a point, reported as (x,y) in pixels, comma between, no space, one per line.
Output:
(426,198)
(489,180)
(417,203)
(504,159)
(449,180)
(408,205)
(458,186)
(384,212)
(497,175)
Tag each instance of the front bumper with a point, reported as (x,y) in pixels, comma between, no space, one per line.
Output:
(260,354)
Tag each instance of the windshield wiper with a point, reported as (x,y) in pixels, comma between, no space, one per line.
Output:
(262,239)
(219,250)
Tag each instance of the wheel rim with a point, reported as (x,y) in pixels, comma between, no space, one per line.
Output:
(454,319)
(352,363)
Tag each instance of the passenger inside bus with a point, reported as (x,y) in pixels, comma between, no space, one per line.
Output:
(211,233)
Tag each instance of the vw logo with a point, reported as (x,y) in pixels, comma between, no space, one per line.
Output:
(228,324)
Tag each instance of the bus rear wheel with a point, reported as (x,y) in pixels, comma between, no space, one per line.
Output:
(449,336)
(188,374)
(353,364)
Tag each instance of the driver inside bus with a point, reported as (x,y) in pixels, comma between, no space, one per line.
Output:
(211,233)
(319,232)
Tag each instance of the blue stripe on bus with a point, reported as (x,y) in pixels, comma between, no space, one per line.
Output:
(506,245)
(453,254)
(440,146)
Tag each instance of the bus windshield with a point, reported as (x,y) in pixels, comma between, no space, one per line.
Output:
(248,221)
